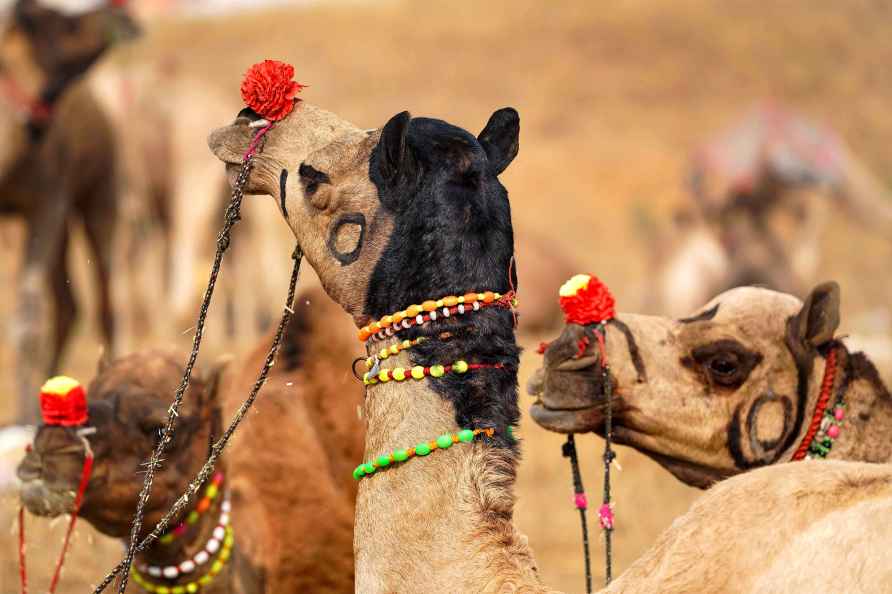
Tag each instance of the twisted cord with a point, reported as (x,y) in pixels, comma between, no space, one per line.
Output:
(569,451)
(609,454)
(218,447)
(233,215)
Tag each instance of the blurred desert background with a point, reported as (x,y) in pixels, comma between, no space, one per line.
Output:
(613,99)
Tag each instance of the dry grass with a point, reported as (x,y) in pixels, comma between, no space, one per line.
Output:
(612,99)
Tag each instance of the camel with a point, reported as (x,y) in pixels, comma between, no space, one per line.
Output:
(414,213)
(57,166)
(311,551)
(763,193)
(732,387)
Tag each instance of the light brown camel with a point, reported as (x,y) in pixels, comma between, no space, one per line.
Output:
(307,408)
(730,388)
(410,213)
(57,166)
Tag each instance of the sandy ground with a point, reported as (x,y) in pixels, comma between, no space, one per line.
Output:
(612,100)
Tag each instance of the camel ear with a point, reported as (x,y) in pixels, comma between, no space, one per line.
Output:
(214,378)
(501,138)
(818,319)
(104,362)
(394,156)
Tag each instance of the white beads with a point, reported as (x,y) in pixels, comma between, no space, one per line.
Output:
(476,306)
(170,572)
(219,532)
(212,546)
(419,319)
(226,507)
(201,557)
(187,566)
(445,312)
(154,571)
(433,316)
(461,308)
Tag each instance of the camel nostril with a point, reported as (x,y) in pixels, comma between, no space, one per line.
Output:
(30,469)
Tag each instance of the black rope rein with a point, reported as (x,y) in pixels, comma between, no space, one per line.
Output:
(232,216)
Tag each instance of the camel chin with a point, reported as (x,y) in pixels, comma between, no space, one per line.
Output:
(42,500)
(567,421)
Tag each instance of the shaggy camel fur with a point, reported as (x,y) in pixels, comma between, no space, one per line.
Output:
(57,165)
(305,409)
(730,388)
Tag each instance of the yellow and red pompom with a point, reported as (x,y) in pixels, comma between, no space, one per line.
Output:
(63,401)
(268,89)
(586,300)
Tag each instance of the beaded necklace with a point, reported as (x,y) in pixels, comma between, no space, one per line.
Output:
(826,422)
(429,311)
(203,505)
(219,544)
(443,442)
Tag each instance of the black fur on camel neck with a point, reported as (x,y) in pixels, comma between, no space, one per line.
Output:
(452,235)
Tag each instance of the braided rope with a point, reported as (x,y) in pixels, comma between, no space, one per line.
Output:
(609,456)
(217,448)
(569,451)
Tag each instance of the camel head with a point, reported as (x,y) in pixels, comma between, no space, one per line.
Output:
(42,52)
(418,199)
(127,408)
(708,396)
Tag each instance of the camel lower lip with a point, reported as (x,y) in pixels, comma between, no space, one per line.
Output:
(582,420)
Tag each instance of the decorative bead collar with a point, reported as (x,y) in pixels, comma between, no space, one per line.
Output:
(443,442)
(210,493)
(429,311)
(826,422)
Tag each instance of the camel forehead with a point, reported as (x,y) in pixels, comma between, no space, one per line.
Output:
(152,373)
(752,302)
(345,153)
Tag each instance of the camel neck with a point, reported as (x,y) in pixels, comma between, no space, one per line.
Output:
(442,522)
(866,409)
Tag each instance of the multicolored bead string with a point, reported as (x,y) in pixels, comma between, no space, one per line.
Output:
(196,585)
(818,441)
(429,311)
(443,442)
(418,372)
(829,431)
(172,572)
(394,349)
(210,493)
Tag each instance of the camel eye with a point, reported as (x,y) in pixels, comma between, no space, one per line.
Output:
(722,366)
(311,179)
(724,363)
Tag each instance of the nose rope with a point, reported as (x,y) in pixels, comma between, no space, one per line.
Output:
(86,470)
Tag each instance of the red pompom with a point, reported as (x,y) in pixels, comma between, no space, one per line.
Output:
(268,89)
(586,300)
(63,401)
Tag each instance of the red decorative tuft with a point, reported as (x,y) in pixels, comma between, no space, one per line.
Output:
(63,402)
(268,89)
(589,304)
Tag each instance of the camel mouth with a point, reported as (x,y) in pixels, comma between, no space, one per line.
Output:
(230,143)
(568,420)
(42,500)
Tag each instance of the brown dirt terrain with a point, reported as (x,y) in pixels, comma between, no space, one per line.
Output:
(612,100)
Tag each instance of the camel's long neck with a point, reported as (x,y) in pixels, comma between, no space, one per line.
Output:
(442,522)
(867,415)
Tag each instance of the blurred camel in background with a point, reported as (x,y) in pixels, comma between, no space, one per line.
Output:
(758,215)
(754,377)
(291,516)
(57,167)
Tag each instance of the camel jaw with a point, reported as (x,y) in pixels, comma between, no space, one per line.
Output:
(581,420)
(42,500)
